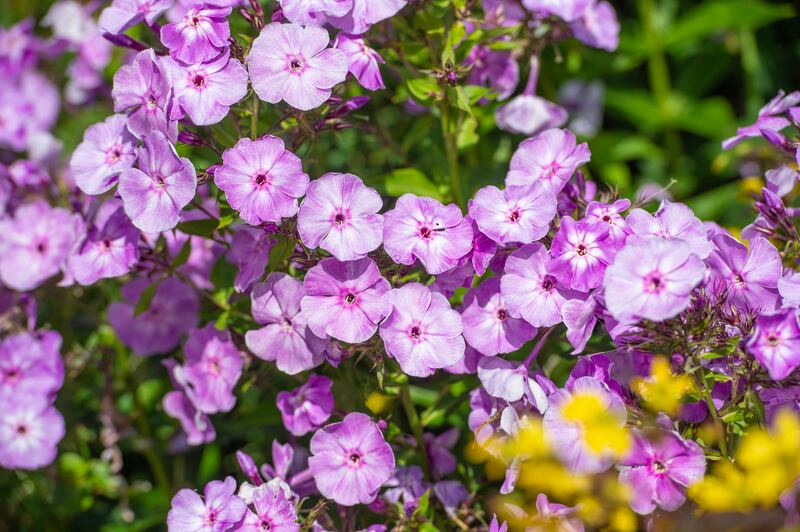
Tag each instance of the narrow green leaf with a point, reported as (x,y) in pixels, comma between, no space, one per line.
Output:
(204,227)
(146,298)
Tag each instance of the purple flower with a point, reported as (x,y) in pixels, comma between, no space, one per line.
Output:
(124,14)
(365,13)
(496,69)
(107,149)
(262,179)
(292,63)
(200,36)
(345,299)
(584,102)
(206,91)
(221,509)
(598,26)
(212,368)
(767,118)
(438,448)
(568,10)
(275,511)
(550,157)
(529,288)
(651,279)
(511,382)
(658,470)
(308,407)
(580,318)
(143,89)
(776,399)
(424,229)
(29,105)
(290,467)
(155,193)
(422,332)
(781,180)
(610,214)
(30,365)
(171,313)
(340,215)
(775,343)
(19,47)
(514,215)
(488,324)
(528,114)
(553,515)
(350,460)
(564,425)
(406,486)
(109,249)
(35,244)
(451,493)
(363,62)
(672,221)
(580,253)
(250,247)
(789,289)
(314,12)
(197,427)
(286,337)
(30,429)
(750,278)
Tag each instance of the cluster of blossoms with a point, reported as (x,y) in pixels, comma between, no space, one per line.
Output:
(673,323)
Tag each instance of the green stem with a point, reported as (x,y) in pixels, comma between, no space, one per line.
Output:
(718,425)
(416,427)
(152,457)
(451,148)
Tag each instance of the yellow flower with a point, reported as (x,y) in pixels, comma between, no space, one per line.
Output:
(603,431)
(663,391)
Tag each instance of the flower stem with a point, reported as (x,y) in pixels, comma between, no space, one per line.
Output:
(451,148)
(416,427)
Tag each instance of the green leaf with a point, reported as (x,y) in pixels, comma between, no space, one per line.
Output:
(424,88)
(410,181)
(458,98)
(183,255)
(424,504)
(204,227)
(280,252)
(209,464)
(146,298)
(467,135)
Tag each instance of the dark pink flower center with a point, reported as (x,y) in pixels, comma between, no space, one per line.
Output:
(349,299)
(214,367)
(41,247)
(514,215)
(22,430)
(339,218)
(547,284)
(738,280)
(658,467)
(653,283)
(261,179)
(199,80)
(425,232)
(415,332)
(773,340)
(113,153)
(607,218)
(211,517)
(502,314)
(12,374)
(354,458)
(295,64)
(582,250)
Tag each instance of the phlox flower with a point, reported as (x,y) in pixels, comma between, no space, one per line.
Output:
(581,253)
(293,63)
(109,249)
(31,365)
(659,468)
(350,460)
(172,312)
(363,62)
(211,369)
(274,509)
(35,244)
(405,487)
(750,277)
(200,36)
(262,179)
(597,26)
(308,407)
(143,90)
(345,299)
(314,12)
(154,194)
(421,331)
(580,317)
(510,381)
(286,337)
(196,426)
(651,279)
(488,324)
(781,180)
(528,114)
(515,215)
(438,447)
(206,91)
(775,343)
(497,69)
(219,509)
(585,426)
(124,14)
(340,215)
(30,429)
(250,247)
(671,221)
(567,11)
(768,119)
(107,149)
(550,157)
(365,13)
(422,228)
(610,214)
(789,289)
(530,290)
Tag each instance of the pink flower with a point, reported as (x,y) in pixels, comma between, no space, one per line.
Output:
(350,460)
(124,14)
(314,12)
(610,215)
(200,36)
(750,278)
(340,215)
(365,13)
(206,91)
(30,429)
(528,114)
(422,332)
(221,509)
(424,229)
(292,63)
(250,247)
(262,179)
(308,407)
(514,215)
(286,337)
(364,62)
(154,194)
(651,279)
(775,343)
(345,299)
(598,26)
(107,149)
(672,221)
(488,325)
(550,157)
(580,253)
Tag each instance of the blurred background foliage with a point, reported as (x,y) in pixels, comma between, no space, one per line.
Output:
(686,74)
